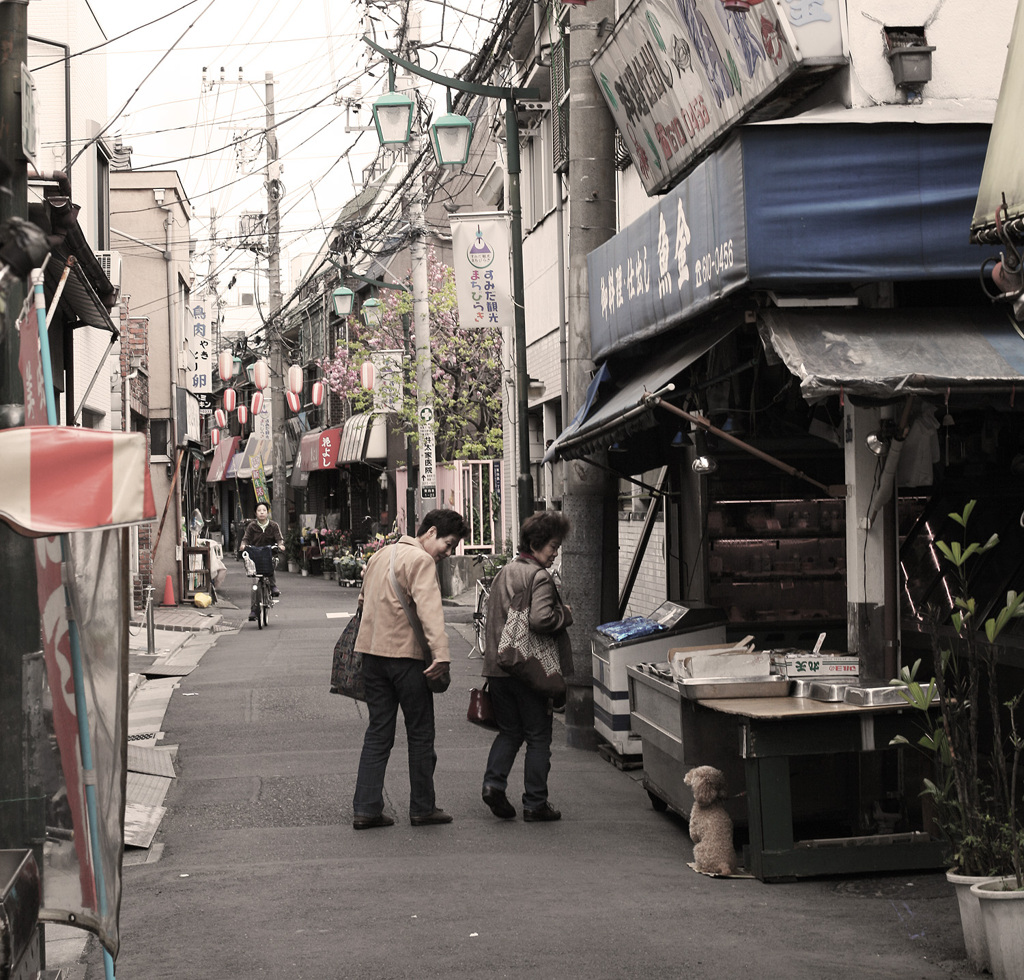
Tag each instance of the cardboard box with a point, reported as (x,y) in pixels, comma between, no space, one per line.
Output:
(808,664)
(740,660)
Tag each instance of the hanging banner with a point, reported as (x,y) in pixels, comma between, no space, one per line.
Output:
(199,359)
(259,481)
(482,258)
(387,382)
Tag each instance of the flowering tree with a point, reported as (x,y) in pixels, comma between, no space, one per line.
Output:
(465,370)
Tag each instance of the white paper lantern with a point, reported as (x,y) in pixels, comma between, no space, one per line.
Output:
(257,403)
(366,375)
(221,418)
(215,437)
(229,399)
(243,414)
(318,393)
(225,365)
(260,375)
(294,402)
(295,379)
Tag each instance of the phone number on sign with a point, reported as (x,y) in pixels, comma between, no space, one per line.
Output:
(713,263)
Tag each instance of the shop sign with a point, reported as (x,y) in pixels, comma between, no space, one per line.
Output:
(482,259)
(684,254)
(199,360)
(679,74)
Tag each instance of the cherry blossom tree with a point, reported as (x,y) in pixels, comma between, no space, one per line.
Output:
(465,370)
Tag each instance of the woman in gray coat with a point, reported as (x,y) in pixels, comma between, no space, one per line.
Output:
(521,714)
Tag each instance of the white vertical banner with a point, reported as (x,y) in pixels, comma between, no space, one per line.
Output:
(482,257)
(262,424)
(199,359)
(428,485)
(387,381)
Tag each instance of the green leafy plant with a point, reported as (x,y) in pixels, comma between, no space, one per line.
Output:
(975,792)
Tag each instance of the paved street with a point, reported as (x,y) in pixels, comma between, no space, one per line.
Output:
(257,872)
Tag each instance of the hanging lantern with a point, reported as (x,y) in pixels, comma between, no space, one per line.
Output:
(243,414)
(260,375)
(294,402)
(257,403)
(226,365)
(221,418)
(295,379)
(215,437)
(229,399)
(318,393)
(366,375)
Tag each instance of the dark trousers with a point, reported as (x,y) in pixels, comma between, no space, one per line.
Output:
(393,682)
(522,716)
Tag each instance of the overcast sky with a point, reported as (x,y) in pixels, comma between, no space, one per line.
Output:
(312,47)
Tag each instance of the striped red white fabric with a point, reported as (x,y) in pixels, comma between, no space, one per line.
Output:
(57,479)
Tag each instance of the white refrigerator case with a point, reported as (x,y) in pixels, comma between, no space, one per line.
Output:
(695,624)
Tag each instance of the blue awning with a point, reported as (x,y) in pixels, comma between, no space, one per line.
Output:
(793,206)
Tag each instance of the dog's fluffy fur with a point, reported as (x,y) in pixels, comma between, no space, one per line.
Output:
(710,825)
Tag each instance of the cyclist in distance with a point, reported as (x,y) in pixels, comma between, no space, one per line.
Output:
(263,531)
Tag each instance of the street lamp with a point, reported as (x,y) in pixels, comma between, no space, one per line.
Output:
(392,114)
(373,313)
(451,136)
(509,96)
(343,298)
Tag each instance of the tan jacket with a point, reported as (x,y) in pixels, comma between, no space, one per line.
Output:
(385,629)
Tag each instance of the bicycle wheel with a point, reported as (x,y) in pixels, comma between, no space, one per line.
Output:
(259,603)
(479,625)
(267,602)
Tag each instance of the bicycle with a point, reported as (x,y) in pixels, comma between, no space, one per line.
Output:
(260,562)
(491,565)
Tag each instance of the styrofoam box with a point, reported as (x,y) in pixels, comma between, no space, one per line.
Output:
(818,665)
(721,661)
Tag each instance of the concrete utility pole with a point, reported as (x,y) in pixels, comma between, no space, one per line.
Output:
(20,823)
(590,553)
(420,304)
(275,329)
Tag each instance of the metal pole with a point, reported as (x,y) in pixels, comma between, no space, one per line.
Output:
(279,503)
(150,622)
(525,482)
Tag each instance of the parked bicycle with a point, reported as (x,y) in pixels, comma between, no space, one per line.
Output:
(491,564)
(260,562)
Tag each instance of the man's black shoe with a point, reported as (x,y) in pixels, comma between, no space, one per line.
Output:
(364,823)
(542,813)
(498,802)
(438,816)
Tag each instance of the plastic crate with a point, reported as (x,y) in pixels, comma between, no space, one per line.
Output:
(262,557)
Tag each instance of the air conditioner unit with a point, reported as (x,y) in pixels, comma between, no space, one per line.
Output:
(110,263)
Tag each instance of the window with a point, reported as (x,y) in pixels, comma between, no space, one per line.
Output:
(160,439)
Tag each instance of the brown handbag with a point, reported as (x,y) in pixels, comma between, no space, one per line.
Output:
(481,711)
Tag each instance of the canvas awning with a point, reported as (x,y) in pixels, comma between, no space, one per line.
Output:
(255,449)
(319,450)
(889,353)
(608,415)
(365,437)
(221,458)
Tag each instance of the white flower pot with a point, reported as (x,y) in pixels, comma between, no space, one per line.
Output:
(970,918)
(1002,911)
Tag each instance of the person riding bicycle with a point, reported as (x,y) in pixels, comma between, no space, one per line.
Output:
(263,531)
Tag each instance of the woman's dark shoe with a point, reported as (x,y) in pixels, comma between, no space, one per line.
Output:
(542,813)
(499,804)
(438,816)
(380,820)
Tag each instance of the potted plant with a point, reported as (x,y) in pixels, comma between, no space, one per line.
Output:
(972,737)
(293,548)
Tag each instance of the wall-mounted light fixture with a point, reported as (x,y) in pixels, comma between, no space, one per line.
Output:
(704,464)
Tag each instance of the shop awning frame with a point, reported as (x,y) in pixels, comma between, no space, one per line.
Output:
(222,457)
(361,439)
(610,417)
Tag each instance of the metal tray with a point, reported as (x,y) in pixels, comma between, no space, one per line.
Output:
(711,688)
(875,696)
(801,687)
(827,691)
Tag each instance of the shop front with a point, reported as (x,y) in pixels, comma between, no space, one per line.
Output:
(361,465)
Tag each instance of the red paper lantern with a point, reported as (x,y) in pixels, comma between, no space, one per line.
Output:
(215,437)
(243,414)
(225,365)
(221,418)
(229,399)
(295,379)
(257,403)
(294,402)
(366,375)
(260,375)
(318,393)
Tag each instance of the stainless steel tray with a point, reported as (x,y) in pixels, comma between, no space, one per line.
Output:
(827,691)
(801,687)
(711,688)
(875,696)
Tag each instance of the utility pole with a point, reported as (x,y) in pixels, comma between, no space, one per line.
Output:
(275,329)
(420,305)
(590,552)
(20,636)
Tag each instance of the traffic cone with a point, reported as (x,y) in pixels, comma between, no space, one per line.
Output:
(168,593)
